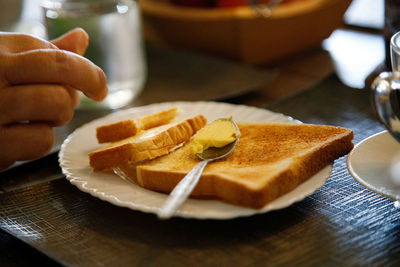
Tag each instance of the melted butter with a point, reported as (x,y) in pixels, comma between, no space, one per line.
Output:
(216,134)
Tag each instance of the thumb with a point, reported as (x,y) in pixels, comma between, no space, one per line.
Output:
(75,41)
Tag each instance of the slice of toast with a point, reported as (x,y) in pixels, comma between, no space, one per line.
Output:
(269,161)
(147,144)
(127,128)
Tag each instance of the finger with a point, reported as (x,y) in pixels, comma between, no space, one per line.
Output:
(74,95)
(19,42)
(25,142)
(58,67)
(75,41)
(49,103)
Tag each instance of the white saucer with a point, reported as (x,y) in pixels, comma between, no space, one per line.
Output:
(371,162)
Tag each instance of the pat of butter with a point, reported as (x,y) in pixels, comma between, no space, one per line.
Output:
(216,134)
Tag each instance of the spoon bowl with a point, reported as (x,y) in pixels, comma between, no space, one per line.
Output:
(213,153)
(185,187)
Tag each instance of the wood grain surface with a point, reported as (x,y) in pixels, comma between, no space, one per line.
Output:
(342,224)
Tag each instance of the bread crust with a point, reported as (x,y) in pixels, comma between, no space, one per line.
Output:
(148,144)
(269,161)
(123,129)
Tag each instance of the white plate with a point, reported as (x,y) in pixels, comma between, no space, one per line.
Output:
(109,187)
(371,161)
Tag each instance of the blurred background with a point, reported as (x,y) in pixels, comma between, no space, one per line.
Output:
(356,47)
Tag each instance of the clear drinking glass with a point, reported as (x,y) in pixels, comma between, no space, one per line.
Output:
(395,52)
(392,25)
(115,43)
(386,92)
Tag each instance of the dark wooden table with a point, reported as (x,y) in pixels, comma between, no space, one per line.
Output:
(47,221)
(340,224)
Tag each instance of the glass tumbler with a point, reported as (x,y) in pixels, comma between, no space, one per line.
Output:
(386,92)
(115,43)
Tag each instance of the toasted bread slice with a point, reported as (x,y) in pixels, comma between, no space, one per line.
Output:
(146,145)
(269,161)
(127,128)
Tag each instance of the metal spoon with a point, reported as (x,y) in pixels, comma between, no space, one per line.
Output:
(185,187)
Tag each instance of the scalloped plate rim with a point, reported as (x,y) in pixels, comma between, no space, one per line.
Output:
(81,182)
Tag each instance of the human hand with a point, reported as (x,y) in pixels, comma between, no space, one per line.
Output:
(38,83)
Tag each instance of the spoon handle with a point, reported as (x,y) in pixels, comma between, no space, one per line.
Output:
(182,191)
